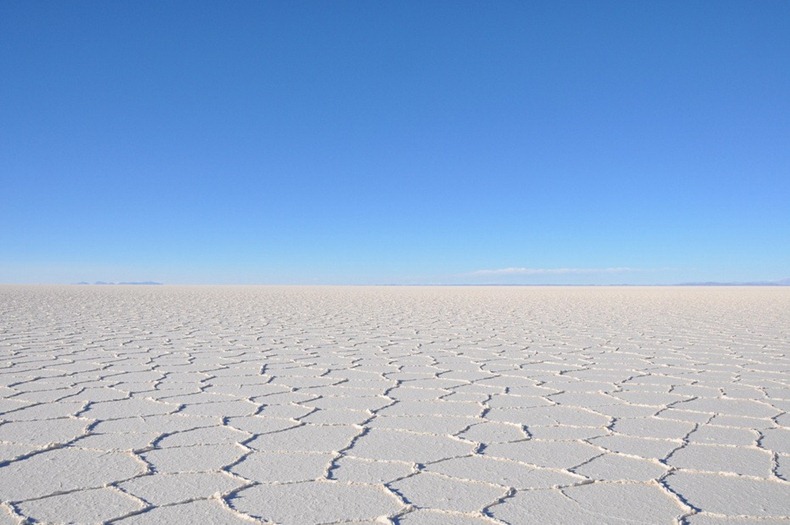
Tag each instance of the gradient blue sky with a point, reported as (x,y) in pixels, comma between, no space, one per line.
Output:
(394,142)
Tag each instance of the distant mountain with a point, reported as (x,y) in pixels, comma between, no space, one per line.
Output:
(780,282)
(124,282)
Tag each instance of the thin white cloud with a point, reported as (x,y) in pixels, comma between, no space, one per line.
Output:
(554,271)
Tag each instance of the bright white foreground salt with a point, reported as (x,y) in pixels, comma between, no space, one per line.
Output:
(394,405)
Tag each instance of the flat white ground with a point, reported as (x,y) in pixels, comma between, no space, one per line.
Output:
(394,405)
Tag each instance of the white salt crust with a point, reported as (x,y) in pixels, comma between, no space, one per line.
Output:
(394,405)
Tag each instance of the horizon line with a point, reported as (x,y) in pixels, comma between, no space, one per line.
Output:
(776,283)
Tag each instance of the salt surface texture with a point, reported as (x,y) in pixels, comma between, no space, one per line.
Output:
(394,405)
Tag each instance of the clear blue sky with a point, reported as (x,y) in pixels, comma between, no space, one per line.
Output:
(394,142)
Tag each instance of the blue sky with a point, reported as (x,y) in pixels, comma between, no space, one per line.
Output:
(394,142)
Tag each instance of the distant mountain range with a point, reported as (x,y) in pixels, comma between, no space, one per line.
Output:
(126,282)
(780,282)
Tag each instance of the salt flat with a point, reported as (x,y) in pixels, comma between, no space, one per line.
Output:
(301,405)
